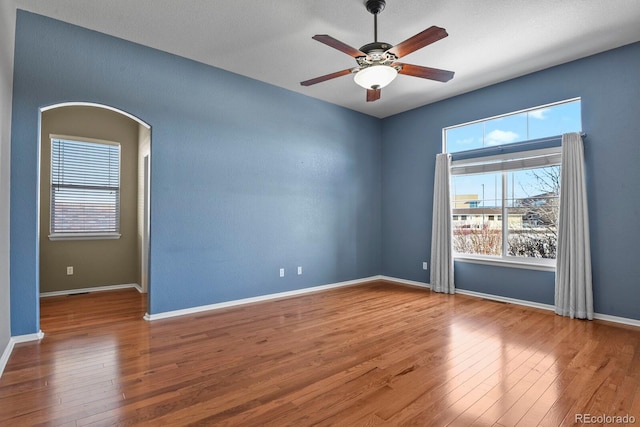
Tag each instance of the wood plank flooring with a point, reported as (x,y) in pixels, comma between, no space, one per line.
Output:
(367,355)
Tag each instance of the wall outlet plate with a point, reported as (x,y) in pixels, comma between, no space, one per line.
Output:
(70,271)
(282,272)
(299,271)
(425,265)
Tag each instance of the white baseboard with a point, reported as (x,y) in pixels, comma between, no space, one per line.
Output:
(5,356)
(201,308)
(150,317)
(598,316)
(93,289)
(12,342)
(616,319)
(405,282)
(192,310)
(28,337)
(505,299)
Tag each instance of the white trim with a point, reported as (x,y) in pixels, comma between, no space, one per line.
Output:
(84,236)
(83,139)
(92,104)
(422,285)
(616,319)
(501,262)
(406,282)
(94,289)
(507,162)
(505,299)
(5,356)
(28,337)
(597,316)
(201,308)
(12,342)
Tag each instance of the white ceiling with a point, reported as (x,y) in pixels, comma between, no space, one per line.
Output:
(489,41)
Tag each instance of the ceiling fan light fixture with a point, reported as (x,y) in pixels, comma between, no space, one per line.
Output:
(375,77)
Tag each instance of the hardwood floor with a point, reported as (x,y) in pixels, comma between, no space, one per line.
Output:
(374,354)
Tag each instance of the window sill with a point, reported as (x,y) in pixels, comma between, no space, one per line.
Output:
(507,263)
(84,236)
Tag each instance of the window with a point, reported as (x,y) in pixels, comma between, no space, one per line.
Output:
(519,184)
(535,123)
(85,189)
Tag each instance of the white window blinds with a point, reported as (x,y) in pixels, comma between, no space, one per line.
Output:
(85,187)
(512,161)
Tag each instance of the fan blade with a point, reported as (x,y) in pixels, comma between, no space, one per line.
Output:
(373,94)
(425,72)
(326,77)
(337,44)
(420,40)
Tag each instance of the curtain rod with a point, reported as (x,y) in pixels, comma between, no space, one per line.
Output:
(498,149)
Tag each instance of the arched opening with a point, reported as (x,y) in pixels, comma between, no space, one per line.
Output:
(93,236)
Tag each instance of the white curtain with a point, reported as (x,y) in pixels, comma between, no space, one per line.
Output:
(574,296)
(441,237)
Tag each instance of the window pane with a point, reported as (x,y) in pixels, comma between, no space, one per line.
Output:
(532,209)
(552,120)
(475,199)
(505,130)
(555,120)
(84,211)
(464,138)
(85,187)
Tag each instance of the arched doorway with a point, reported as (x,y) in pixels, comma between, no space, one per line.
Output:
(93,259)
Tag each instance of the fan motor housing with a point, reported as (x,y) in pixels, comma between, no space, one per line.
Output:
(375,6)
(377,53)
(370,47)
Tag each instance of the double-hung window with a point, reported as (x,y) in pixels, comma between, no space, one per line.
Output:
(85,189)
(505,181)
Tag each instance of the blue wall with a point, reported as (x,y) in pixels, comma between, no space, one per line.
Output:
(246,177)
(609,85)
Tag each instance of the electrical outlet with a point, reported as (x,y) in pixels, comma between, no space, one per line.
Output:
(299,271)
(425,265)
(282,272)
(70,271)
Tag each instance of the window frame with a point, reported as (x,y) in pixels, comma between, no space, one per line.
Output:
(499,116)
(504,259)
(85,235)
(505,152)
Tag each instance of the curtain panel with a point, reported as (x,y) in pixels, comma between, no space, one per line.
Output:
(441,233)
(573,292)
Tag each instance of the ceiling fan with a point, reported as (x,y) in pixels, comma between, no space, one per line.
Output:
(377,66)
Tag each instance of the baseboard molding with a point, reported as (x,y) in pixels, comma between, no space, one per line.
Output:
(505,299)
(28,337)
(279,295)
(394,280)
(12,342)
(93,289)
(412,283)
(5,356)
(597,316)
(616,319)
